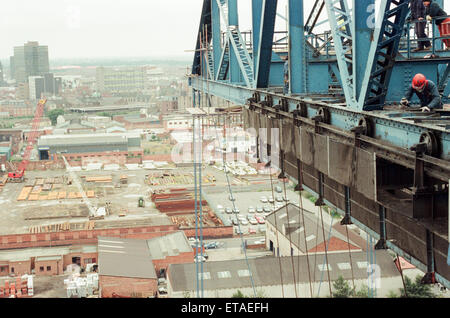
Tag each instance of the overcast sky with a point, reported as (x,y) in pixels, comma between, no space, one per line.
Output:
(109,28)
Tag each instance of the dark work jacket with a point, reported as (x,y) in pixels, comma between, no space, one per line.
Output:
(435,11)
(430,96)
(417,9)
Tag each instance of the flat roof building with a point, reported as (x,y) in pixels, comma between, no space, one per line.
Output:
(276,277)
(131,267)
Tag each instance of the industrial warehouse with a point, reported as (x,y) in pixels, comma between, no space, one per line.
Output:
(301,150)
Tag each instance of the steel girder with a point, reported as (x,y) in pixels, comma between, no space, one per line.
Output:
(204,20)
(401,129)
(314,15)
(383,52)
(228,11)
(340,19)
(264,18)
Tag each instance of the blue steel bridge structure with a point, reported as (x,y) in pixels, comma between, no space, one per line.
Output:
(345,138)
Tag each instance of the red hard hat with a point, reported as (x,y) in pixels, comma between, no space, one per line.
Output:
(419,81)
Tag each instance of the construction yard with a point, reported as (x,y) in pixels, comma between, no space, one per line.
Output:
(51,201)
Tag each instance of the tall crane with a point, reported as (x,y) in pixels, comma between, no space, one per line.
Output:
(19,174)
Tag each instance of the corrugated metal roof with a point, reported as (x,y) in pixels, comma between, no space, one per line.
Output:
(168,245)
(295,218)
(266,271)
(82,139)
(124,258)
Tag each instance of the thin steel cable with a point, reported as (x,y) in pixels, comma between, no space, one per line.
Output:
(276,233)
(306,242)
(317,239)
(231,195)
(326,253)
(290,238)
(350,255)
(324,259)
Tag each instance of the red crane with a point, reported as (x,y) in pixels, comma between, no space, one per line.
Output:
(19,174)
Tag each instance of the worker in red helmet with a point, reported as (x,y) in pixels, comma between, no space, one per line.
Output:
(426,91)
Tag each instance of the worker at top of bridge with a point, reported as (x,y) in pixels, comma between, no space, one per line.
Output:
(418,15)
(427,92)
(434,11)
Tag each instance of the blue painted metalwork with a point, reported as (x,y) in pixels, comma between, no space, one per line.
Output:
(372,66)
(363,24)
(257,7)
(297,58)
(397,128)
(263,55)
(340,20)
(216,40)
(383,52)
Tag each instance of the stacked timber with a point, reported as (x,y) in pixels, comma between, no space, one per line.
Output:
(3,180)
(99,179)
(24,193)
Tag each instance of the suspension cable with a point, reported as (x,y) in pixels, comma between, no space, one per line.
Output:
(306,242)
(287,213)
(326,244)
(326,253)
(276,231)
(350,255)
(244,247)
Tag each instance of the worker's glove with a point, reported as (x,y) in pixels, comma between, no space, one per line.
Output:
(425,109)
(404,102)
(429,18)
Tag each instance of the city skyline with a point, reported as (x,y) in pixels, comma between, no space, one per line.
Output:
(103,29)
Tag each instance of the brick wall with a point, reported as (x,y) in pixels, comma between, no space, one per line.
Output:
(81,237)
(212,232)
(48,268)
(128,287)
(20,268)
(182,258)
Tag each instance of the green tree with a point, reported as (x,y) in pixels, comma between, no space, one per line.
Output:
(392,294)
(53,115)
(362,293)
(416,289)
(238,294)
(342,289)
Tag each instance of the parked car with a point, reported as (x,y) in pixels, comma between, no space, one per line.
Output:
(279,198)
(259,209)
(244,222)
(236,210)
(199,259)
(271,200)
(235,222)
(260,220)
(211,245)
(161,281)
(251,230)
(263,199)
(251,209)
(228,210)
(267,209)
(253,221)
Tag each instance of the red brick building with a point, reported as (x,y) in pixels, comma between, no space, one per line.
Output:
(131,268)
